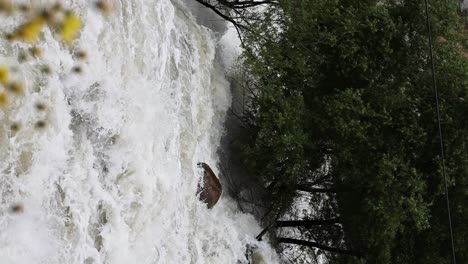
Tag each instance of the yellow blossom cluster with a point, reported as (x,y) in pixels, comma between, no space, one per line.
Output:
(65,22)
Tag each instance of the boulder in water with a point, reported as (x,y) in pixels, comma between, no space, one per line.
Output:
(209,188)
(257,258)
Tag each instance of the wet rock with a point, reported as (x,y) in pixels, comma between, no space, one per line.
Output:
(209,188)
(254,255)
(257,258)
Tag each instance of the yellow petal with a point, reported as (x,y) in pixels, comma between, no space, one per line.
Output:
(70,27)
(3,100)
(3,75)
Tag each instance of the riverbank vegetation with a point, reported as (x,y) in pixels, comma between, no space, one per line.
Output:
(340,127)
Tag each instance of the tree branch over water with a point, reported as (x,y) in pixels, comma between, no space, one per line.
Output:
(316,245)
(216,7)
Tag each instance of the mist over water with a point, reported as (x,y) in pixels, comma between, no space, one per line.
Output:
(112,176)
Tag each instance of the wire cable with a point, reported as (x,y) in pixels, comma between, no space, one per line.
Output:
(442,151)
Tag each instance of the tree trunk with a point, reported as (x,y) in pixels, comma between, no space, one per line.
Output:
(307,223)
(315,245)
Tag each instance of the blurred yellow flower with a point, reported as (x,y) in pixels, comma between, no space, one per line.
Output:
(104,6)
(16,88)
(70,27)
(36,52)
(31,30)
(3,100)
(15,127)
(3,75)
(6,6)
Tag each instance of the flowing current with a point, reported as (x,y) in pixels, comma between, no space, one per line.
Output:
(112,176)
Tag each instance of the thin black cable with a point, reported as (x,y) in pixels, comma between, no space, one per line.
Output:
(442,151)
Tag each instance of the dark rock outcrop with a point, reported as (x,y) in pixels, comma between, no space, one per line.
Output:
(209,188)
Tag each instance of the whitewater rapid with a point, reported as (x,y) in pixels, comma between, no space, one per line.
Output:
(112,176)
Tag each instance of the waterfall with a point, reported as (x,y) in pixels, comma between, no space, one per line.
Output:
(110,176)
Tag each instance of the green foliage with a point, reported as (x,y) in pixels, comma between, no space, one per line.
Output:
(351,81)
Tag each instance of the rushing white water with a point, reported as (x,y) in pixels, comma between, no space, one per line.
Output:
(112,177)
